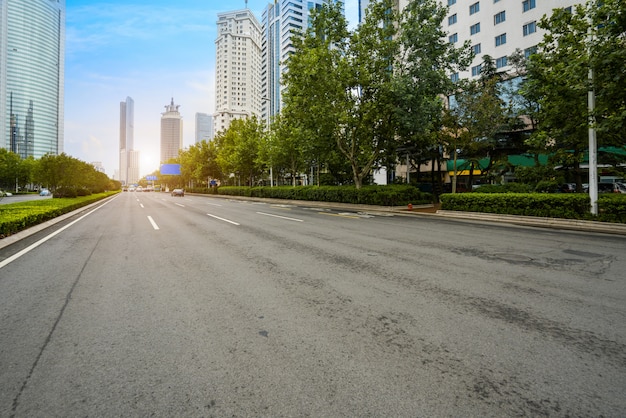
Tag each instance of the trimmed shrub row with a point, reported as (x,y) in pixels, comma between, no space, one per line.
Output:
(392,195)
(15,217)
(611,208)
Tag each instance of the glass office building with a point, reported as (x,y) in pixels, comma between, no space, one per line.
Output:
(32,54)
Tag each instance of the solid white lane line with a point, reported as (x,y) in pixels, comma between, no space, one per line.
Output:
(222,219)
(154,225)
(44,239)
(281,217)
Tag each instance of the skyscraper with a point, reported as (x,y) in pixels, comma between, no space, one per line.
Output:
(279,21)
(238,68)
(171,132)
(129,157)
(204,127)
(32,56)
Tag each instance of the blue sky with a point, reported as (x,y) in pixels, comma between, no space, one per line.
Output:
(150,50)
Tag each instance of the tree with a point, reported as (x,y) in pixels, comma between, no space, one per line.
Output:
(558,75)
(281,149)
(339,85)
(199,162)
(315,87)
(423,77)
(238,149)
(9,169)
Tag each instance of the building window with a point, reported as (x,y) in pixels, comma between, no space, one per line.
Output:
(528,4)
(501,39)
(477,49)
(529,51)
(454,77)
(499,18)
(451,2)
(501,62)
(475,8)
(453,38)
(476,70)
(452,19)
(530,28)
(474,29)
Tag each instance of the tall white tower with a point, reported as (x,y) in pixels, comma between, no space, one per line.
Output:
(129,157)
(238,90)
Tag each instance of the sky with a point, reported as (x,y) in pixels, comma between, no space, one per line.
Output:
(150,50)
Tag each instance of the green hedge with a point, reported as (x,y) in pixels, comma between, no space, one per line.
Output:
(392,195)
(15,217)
(611,208)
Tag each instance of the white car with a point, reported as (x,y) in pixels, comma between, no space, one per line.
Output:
(3,193)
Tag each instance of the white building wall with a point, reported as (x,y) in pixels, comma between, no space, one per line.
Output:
(513,21)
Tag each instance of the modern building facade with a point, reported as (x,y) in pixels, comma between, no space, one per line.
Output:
(279,21)
(238,88)
(204,127)
(129,157)
(171,132)
(32,56)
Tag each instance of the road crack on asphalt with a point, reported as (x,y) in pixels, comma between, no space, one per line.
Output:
(68,297)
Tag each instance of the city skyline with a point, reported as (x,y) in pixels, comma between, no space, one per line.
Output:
(118,51)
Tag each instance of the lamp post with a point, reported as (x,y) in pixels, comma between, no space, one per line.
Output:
(593,145)
(267,125)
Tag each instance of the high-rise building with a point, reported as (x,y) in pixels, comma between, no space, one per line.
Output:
(171,132)
(32,56)
(238,89)
(279,21)
(204,127)
(129,157)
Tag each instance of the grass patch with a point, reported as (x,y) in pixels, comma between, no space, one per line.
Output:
(15,217)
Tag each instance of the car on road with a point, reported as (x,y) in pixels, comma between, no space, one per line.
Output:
(45,192)
(178,192)
(3,193)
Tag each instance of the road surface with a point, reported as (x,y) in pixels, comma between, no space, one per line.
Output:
(153,305)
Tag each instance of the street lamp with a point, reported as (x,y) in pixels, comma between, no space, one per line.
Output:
(267,125)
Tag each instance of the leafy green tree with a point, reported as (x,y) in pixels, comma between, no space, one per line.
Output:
(281,149)
(238,149)
(423,77)
(199,163)
(9,169)
(558,75)
(315,87)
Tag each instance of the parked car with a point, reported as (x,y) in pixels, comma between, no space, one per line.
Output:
(567,188)
(606,187)
(45,192)
(3,193)
(178,192)
(619,188)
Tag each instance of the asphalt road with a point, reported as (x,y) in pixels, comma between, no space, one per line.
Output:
(150,305)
